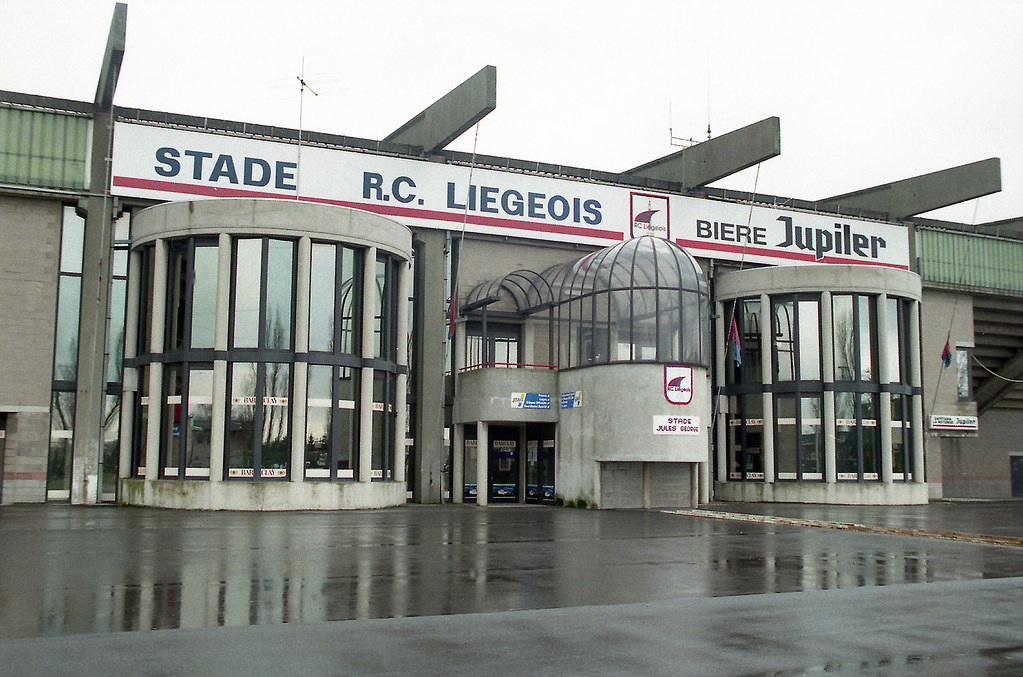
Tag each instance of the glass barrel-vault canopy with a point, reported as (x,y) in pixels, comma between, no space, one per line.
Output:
(643,300)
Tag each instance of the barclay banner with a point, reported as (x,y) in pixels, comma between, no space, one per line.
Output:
(171,164)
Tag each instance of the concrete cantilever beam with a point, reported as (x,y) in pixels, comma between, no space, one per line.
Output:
(452,114)
(919,194)
(716,158)
(112,57)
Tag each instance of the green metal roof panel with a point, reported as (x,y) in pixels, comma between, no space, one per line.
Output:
(42,148)
(969,260)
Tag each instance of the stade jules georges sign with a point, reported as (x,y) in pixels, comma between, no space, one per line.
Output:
(170,164)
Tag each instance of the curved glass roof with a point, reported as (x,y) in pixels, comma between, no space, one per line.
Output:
(643,300)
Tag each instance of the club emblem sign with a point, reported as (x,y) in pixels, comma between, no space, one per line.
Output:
(678,384)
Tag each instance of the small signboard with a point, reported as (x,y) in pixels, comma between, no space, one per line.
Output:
(942,422)
(572,400)
(531,400)
(678,384)
(676,425)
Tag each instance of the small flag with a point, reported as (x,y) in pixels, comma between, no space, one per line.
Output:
(733,338)
(946,354)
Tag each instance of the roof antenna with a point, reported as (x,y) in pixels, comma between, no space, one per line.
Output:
(677,141)
(708,99)
(303,85)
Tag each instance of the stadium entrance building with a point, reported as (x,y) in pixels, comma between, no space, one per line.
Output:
(235,316)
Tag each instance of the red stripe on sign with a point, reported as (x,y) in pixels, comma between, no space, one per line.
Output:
(775,254)
(386,210)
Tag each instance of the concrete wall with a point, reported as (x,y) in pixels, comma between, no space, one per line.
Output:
(29,261)
(257,496)
(939,312)
(485,395)
(614,426)
(978,467)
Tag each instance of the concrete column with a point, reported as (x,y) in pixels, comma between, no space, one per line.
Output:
(767,375)
(457,462)
(522,454)
(129,387)
(298,397)
(156,321)
(218,426)
(885,399)
(482,459)
(720,401)
(401,382)
(919,474)
(429,334)
(828,374)
(97,255)
(366,382)
(704,473)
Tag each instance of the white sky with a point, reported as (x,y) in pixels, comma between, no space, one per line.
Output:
(867,92)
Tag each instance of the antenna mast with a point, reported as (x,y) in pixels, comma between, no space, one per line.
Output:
(303,85)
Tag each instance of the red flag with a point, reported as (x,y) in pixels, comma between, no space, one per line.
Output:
(733,338)
(946,354)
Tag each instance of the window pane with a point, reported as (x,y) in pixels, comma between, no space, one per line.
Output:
(115,331)
(248,266)
(72,237)
(204,296)
(62,426)
(319,405)
(111,443)
(65,347)
(865,326)
(171,436)
(784,341)
(785,437)
(347,431)
(749,328)
(142,425)
(811,438)
(381,293)
(844,337)
(350,297)
(276,420)
(846,442)
(383,410)
(809,340)
(177,281)
(241,443)
(279,276)
(200,420)
(871,437)
(321,297)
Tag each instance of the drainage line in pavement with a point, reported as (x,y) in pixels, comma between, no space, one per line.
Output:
(1010,541)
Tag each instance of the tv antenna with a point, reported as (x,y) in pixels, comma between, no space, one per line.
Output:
(678,141)
(302,86)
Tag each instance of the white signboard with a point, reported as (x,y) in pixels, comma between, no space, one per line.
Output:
(676,425)
(939,422)
(171,164)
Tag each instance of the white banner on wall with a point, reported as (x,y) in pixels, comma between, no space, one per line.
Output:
(171,164)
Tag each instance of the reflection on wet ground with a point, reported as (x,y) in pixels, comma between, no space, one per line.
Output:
(68,570)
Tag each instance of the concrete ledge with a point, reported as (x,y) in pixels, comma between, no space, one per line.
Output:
(842,493)
(241,495)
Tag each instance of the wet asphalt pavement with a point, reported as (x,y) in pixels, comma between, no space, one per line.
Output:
(509,590)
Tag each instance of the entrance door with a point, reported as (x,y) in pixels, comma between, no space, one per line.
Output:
(1017,476)
(540,464)
(504,465)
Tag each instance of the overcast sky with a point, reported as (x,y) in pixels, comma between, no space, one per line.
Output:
(867,92)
